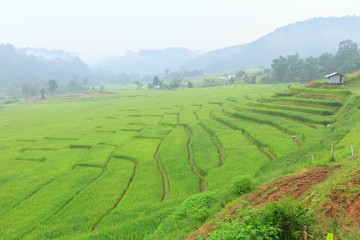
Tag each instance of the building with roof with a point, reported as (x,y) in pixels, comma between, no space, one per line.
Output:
(335,78)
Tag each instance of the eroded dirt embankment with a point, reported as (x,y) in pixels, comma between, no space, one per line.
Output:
(294,185)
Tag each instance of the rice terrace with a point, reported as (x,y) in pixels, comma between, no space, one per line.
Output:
(116,166)
(179,120)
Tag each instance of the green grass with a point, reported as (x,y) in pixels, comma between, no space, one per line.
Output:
(320,90)
(319,111)
(264,135)
(289,114)
(88,168)
(205,160)
(312,101)
(174,155)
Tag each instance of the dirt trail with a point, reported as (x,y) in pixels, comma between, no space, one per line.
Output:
(345,200)
(353,210)
(294,185)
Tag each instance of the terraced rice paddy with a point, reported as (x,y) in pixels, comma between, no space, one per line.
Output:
(114,167)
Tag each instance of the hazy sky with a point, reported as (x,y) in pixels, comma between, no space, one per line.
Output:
(114,26)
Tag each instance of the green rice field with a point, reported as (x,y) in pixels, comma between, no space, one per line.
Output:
(114,167)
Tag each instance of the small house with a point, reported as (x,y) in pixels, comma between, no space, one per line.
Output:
(335,78)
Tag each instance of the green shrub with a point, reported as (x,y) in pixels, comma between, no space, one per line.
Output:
(241,185)
(197,206)
(283,220)
(248,226)
(191,214)
(289,217)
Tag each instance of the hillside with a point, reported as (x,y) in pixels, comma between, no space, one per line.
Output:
(308,38)
(329,190)
(19,66)
(156,163)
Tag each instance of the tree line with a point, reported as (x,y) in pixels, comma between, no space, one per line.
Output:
(293,68)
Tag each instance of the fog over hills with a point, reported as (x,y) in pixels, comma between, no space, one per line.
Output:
(19,66)
(308,38)
(44,53)
(149,61)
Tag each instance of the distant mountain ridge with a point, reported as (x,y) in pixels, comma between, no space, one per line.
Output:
(308,38)
(44,53)
(20,66)
(149,61)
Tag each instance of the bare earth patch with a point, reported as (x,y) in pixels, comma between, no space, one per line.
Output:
(343,200)
(294,185)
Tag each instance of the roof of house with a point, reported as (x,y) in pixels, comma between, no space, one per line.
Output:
(333,74)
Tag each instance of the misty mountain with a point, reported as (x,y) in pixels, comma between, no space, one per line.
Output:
(149,61)
(308,38)
(18,66)
(43,53)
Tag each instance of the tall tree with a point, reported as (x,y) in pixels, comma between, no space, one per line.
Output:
(52,85)
(156,81)
(348,50)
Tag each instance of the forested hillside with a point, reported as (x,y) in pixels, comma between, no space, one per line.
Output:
(308,38)
(18,68)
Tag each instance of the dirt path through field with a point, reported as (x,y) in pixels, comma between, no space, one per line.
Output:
(294,185)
